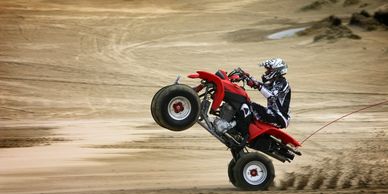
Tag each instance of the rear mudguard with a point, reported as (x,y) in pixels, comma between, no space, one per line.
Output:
(258,128)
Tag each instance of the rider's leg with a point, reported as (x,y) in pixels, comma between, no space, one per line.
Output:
(244,117)
(264,114)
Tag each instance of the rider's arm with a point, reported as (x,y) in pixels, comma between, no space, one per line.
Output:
(266,93)
(280,87)
(253,83)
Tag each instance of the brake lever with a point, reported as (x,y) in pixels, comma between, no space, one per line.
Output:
(231,73)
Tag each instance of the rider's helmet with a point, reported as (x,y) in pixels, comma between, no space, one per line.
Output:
(275,68)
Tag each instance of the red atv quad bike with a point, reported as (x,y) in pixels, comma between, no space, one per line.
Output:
(178,107)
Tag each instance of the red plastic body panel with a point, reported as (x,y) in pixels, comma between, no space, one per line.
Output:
(258,128)
(193,76)
(234,88)
(219,92)
(221,85)
(234,77)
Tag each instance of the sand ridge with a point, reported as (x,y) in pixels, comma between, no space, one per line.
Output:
(77,79)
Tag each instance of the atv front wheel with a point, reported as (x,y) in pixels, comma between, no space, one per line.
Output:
(153,106)
(175,107)
(253,171)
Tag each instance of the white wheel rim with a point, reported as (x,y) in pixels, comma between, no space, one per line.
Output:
(179,108)
(255,172)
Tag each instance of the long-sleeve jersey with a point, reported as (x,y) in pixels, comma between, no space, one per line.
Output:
(278,96)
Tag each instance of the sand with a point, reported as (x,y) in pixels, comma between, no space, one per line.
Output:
(77,79)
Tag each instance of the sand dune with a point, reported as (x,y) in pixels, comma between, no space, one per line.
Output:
(77,79)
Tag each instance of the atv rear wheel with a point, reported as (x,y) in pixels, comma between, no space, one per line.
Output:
(253,171)
(175,107)
(231,165)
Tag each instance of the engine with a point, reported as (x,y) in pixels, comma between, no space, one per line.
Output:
(227,112)
(225,122)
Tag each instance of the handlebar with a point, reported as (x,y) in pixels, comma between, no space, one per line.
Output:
(241,73)
(245,77)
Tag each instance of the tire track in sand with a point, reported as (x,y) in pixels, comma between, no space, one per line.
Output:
(364,166)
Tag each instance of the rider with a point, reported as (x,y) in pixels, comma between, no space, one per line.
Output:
(276,89)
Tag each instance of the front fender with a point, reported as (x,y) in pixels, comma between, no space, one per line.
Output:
(219,91)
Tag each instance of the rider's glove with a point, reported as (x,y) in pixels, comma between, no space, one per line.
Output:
(253,83)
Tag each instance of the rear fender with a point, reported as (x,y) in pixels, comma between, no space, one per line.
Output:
(219,92)
(258,128)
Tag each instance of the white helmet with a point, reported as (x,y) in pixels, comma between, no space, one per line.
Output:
(275,67)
